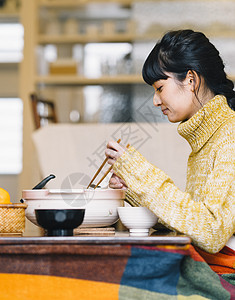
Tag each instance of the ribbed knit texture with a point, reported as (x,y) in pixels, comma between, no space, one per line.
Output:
(206,210)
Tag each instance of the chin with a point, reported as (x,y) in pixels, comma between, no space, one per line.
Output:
(172,120)
(175,120)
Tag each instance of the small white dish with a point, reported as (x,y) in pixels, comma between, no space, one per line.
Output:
(138,220)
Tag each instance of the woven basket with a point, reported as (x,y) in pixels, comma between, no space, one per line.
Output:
(12,218)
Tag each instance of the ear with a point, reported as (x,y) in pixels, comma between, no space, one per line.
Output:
(193,80)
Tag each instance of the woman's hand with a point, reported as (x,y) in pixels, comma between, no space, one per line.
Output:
(116,182)
(113,152)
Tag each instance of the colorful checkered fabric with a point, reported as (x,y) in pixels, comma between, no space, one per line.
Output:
(157,272)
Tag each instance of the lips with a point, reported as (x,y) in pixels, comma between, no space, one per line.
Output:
(164,111)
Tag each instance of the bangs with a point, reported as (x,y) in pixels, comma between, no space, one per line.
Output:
(153,69)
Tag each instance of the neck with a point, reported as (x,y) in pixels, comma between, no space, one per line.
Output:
(205,94)
(198,129)
(200,103)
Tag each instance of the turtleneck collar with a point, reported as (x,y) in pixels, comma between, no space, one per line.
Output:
(202,125)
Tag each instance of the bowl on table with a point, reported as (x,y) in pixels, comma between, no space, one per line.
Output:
(59,222)
(100,204)
(138,220)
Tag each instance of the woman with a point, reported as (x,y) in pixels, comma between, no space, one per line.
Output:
(192,88)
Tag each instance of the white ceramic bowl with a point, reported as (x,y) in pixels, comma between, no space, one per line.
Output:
(137,219)
(100,204)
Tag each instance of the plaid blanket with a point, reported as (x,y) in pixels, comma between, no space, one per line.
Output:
(172,273)
(144,273)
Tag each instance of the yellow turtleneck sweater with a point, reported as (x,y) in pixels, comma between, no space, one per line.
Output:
(206,210)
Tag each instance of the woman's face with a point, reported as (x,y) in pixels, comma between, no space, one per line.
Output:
(176,99)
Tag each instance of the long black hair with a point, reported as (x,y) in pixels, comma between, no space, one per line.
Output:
(183,50)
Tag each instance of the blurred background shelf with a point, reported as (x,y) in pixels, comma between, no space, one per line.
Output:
(83,39)
(72,3)
(79,80)
(9,16)
(115,38)
(105,44)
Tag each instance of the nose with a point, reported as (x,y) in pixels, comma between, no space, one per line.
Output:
(156,100)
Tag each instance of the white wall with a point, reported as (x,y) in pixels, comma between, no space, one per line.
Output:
(9,88)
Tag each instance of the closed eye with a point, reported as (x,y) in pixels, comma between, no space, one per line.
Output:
(159,89)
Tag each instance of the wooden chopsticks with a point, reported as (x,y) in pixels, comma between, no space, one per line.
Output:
(106,173)
(100,168)
(98,171)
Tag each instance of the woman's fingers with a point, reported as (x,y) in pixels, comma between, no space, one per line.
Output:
(113,152)
(112,156)
(111,161)
(115,146)
(116,182)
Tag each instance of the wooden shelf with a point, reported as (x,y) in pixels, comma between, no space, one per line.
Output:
(229,33)
(72,3)
(4,16)
(81,80)
(83,39)
(44,39)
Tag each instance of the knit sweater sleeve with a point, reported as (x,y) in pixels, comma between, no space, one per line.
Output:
(209,222)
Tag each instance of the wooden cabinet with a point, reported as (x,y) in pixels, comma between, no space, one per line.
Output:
(65,24)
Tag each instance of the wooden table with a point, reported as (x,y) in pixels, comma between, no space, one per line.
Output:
(55,266)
